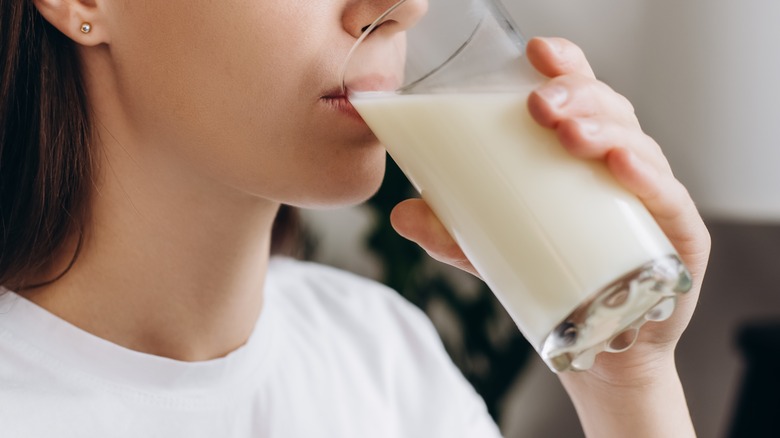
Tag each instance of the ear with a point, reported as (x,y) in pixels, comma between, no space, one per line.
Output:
(80,20)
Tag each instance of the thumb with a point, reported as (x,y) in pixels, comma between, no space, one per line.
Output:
(414,220)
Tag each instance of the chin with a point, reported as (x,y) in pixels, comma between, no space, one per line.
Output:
(355,188)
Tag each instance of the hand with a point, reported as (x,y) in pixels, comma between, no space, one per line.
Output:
(637,392)
(593,122)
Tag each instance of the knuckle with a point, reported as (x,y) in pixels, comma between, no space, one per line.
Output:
(584,86)
(570,136)
(573,53)
(629,107)
(589,138)
(672,197)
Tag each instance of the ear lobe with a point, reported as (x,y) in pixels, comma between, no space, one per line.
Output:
(79,20)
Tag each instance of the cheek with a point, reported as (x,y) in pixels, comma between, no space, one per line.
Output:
(233,94)
(195,72)
(201,77)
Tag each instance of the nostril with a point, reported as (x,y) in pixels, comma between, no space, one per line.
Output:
(406,16)
(365,28)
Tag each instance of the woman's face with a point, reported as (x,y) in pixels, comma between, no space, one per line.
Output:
(240,92)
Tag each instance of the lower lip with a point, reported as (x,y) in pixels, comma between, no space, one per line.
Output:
(342,105)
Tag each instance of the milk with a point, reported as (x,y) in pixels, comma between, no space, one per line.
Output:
(545,230)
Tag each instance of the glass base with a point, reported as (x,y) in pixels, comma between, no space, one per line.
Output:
(610,320)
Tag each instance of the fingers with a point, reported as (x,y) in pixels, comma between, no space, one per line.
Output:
(669,202)
(575,95)
(592,121)
(594,137)
(637,163)
(414,220)
(558,56)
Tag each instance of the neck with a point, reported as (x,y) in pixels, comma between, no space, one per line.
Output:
(172,265)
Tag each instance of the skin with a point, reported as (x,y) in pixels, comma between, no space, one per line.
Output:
(210,115)
(207,118)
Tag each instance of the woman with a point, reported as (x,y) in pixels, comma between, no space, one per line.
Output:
(146,150)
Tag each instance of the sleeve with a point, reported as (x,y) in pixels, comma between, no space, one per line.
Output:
(432,396)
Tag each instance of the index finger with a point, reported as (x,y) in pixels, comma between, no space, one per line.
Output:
(558,56)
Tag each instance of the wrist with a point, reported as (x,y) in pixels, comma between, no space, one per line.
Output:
(634,369)
(639,400)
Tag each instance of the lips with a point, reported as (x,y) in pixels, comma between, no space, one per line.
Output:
(338,101)
(336,98)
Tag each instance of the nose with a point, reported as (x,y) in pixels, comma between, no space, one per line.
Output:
(360,14)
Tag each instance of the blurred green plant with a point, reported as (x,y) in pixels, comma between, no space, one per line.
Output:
(489,357)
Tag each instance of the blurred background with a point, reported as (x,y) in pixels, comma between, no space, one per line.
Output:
(702,75)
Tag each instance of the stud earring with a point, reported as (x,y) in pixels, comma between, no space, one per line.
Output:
(86,27)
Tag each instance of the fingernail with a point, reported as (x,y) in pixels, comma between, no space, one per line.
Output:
(589,127)
(555,95)
(553,44)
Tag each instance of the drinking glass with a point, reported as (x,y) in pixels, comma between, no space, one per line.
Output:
(577,261)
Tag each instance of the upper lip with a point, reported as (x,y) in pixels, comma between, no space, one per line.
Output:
(375,82)
(334,93)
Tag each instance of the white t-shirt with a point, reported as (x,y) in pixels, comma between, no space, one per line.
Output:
(332,355)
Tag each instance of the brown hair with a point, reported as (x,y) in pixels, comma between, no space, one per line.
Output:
(46,164)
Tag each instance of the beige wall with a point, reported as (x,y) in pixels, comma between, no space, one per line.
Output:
(703,76)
